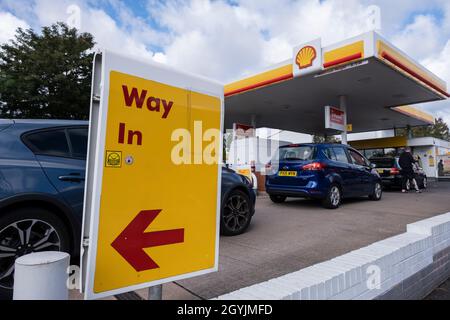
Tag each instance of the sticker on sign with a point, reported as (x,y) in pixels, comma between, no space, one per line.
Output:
(148,220)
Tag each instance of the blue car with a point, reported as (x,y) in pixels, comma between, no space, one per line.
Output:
(42,178)
(328,172)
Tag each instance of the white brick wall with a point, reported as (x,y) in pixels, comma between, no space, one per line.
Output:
(349,276)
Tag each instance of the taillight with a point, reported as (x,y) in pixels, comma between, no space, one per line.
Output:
(395,171)
(315,166)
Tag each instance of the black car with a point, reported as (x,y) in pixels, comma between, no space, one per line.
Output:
(42,170)
(390,173)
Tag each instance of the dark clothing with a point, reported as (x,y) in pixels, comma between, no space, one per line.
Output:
(408,176)
(406,163)
(441,169)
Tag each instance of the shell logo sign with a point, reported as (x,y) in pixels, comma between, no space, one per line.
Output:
(305,57)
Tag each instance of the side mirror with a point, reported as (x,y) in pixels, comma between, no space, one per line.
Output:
(373,165)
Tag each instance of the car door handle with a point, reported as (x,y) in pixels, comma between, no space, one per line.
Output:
(71,178)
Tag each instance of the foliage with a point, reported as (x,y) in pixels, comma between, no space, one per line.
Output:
(46,75)
(439,130)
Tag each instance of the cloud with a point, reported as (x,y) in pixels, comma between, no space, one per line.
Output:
(8,26)
(133,36)
(214,39)
(107,32)
(440,65)
(420,38)
(227,39)
(224,41)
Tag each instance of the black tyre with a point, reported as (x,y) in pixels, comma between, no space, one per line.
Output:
(278,199)
(334,197)
(24,231)
(236,213)
(377,192)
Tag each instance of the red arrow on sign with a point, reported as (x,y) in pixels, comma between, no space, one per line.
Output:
(131,242)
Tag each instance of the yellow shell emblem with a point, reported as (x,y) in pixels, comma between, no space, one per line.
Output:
(306,57)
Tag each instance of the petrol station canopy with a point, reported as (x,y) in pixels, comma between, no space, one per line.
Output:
(379,81)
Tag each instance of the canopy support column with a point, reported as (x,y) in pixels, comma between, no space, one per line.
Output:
(253,121)
(343,106)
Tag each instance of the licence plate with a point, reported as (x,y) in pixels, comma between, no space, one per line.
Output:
(287,173)
(380,170)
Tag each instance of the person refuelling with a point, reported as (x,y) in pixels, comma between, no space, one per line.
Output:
(441,168)
(407,164)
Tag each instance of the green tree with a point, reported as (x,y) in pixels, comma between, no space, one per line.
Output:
(439,130)
(46,75)
(325,139)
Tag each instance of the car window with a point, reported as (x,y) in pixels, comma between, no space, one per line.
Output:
(357,158)
(384,163)
(51,143)
(329,153)
(296,153)
(79,140)
(341,155)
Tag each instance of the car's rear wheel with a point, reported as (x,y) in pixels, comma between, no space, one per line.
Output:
(377,192)
(236,213)
(278,199)
(24,231)
(334,197)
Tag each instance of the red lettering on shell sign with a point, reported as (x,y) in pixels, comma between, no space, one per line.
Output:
(337,116)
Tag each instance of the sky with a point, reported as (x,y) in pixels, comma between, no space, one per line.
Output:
(227,39)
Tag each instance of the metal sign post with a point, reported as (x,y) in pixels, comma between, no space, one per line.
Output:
(155,293)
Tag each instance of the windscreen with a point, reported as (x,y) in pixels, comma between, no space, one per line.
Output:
(384,162)
(297,153)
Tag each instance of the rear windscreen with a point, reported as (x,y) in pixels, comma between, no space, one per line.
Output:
(300,153)
(383,163)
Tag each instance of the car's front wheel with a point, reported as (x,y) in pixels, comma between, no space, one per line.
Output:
(24,231)
(334,197)
(236,213)
(377,192)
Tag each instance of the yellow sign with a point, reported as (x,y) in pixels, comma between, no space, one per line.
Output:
(287,173)
(157,218)
(349,128)
(431,161)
